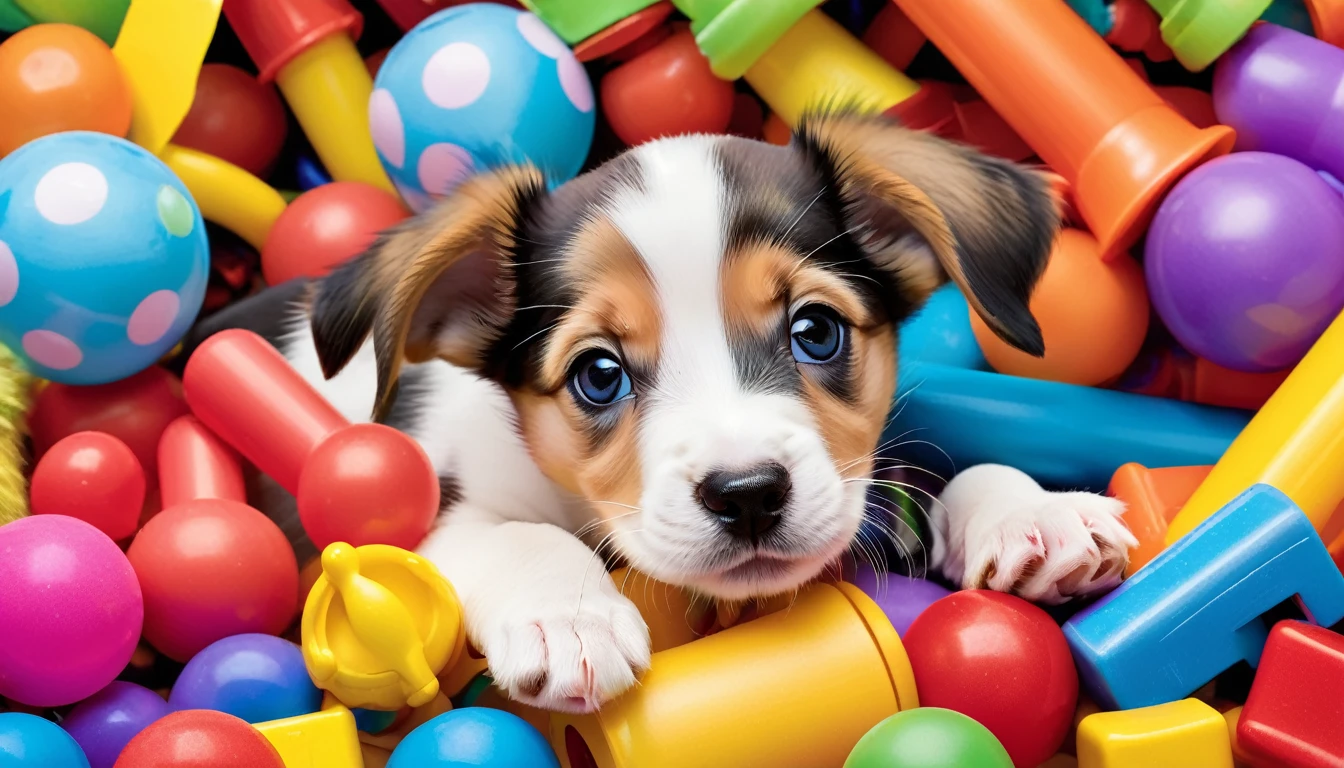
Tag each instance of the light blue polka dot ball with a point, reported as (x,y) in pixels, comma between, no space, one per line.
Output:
(474,87)
(103,257)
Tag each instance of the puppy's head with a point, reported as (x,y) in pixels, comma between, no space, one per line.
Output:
(699,336)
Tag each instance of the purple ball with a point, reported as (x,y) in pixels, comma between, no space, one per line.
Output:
(103,723)
(901,598)
(253,676)
(1245,260)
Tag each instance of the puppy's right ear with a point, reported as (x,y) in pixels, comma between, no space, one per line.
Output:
(439,285)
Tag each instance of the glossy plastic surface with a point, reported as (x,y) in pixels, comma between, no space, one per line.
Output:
(236,118)
(928,737)
(55,77)
(274,32)
(378,625)
(1327,19)
(325,739)
(104,723)
(1292,717)
(104,259)
(101,17)
(510,90)
(940,332)
(1180,734)
(29,741)
(1199,31)
(1060,434)
(474,736)
(816,678)
(71,609)
(1075,102)
(228,195)
(1093,316)
(250,676)
(1193,611)
(735,34)
(1152,498)
(1291,444)
(160,49)
(624,35)
(575,21)
(666,91)
(325,227)
(1217,281)
(901,598)
(673,617)
(199,738)
(1003,662)
(199,465)
(91,476)
(891,36)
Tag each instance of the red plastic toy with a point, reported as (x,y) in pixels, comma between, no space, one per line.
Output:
(1294,717)
(360,483)
(326,226)
(209,565)
(1003,662)
(92,476)
(236,118)
(199,738)
(667,91)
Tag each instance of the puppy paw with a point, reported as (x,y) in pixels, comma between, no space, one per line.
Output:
(565,655)
(1050,549)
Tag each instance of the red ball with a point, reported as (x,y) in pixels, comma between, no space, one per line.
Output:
(209,569)
(199,738)
(326,226)
(134,410)
(368,484)
(92,476)
(236,118)
(666,91)
(1002,662)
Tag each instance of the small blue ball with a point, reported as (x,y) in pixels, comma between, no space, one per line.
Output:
(474,736)
(28,741)
(254,677)
(103,257)
(475,87)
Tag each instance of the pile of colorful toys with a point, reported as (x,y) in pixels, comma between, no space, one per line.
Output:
(160,159)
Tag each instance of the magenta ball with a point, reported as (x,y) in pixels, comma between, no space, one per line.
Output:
(70,609)
(1245,260)
(104,723)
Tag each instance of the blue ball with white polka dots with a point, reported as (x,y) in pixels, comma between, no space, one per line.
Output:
(103,257)
(475,87)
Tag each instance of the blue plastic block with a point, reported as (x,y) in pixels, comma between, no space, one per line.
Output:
(1195,610)
(1062,435)
(940,332)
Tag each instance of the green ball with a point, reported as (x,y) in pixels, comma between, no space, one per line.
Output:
(101,17)
(928,737)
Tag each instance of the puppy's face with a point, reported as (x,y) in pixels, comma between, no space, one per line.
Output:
(699,336)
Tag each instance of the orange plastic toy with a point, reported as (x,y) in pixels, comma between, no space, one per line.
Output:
(1152,498)
(1327,18)
(1076,102)
(1093,316)
(58,77)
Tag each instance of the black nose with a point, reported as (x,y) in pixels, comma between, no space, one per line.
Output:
(746,501)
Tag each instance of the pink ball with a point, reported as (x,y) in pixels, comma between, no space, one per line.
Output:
(70,608)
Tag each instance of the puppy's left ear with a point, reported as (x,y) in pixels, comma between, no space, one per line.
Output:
(924,210)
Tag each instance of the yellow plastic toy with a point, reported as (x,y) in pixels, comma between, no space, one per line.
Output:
(325,739)
(1182,734)
(227,195)
(378,625)
(811,680)
(161,47)
(672,616)
(1295,443)
(390,738)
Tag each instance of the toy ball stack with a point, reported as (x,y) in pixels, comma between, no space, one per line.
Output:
(162,159)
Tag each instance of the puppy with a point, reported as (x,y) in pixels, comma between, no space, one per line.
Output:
(683,358)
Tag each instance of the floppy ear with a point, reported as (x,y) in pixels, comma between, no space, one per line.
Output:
(439,285)
(924,210)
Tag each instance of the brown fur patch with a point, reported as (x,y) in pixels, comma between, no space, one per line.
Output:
(851,430)
(757,278)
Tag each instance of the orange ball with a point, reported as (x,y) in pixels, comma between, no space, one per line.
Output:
(667,90)
(59,77)
(1093,315)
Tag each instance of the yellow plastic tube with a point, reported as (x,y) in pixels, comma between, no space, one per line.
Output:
(328,87)
(818,62)
(797,687)
(226,194)
(1295,443)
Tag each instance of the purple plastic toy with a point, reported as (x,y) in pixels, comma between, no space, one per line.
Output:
(105,722)
(1245,260)
(1278,88)
(901,598)
(252,676)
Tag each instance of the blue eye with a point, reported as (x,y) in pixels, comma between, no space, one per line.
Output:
(599,379)
(817,335)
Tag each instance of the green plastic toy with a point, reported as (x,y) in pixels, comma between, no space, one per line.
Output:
(577,20)
(12,17)
(733,34)
(101,17)
(1199,31)
(928,737)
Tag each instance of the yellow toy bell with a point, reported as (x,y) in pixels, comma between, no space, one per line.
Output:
(378,625)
